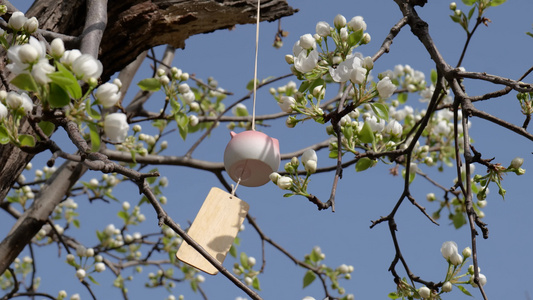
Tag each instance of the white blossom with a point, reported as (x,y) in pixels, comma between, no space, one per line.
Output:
(424,292)
(57,48)
(31,25)
(108,94)
(193,120)
(99,267)
(306,63)
(375,124)
(286,103)
(3,111)
(482,280)
(357,23)
(394,128)
(447,287)
(41,70)
(188,97)
(448,249)
(70,56)
(323,29)
(456,259)
(358,75)
(80,273)
(307,41)
(22,56)
(385,88)
(86,67)
(17,20)
(343,71)
(116,127)
(339,21)
(284,182)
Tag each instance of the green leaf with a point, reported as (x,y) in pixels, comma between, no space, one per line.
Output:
(194,285)
(393,295)
(24,81)
(497,2)
(150,84)
(304,86)
(309,278)
(58,96)
(363,164)
(4,136)
(47,127)
(434,76)
(64,78)
(93,113)
(250,85)
(402,97)
(182,121)
(464,290)
(366,135)
(26,140)
(314,256)
(458,220)
(355,38)
(255,284)
(233,251)
(380,110)
(123,215)
(95,137)
(469,2)
(76,223)
(471,12)
(456,19)
(288,195)
(244,260)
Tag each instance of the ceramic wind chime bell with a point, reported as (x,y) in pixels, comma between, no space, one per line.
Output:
(250,157)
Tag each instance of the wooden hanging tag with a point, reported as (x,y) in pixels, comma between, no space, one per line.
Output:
(215,227)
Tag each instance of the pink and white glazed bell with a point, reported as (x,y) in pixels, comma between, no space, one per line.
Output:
(251,156)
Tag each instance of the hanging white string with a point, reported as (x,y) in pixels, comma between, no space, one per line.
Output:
(255,66)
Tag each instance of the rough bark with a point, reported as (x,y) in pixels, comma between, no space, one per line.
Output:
(137,25)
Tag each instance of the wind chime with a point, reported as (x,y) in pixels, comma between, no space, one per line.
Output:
(250,157)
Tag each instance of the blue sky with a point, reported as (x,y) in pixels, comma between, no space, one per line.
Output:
(344,236)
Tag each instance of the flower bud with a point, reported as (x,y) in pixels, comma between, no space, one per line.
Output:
(295,162)
(339,21)
(447,287)
(456,259)
(482,280)
(17,20)
(467,252)
(307,41)
(28,54)
(424,292)
(31,25)
(448,249)
(458,12)
(323,29)
(289,59)
(431,197)
(193,120)
(80,273)
(274,176)
(366,38)
(517,162)
(57,48)
(284,182)
(99,267)
(453,6)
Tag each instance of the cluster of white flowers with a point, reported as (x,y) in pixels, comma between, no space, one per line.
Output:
(15,102)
